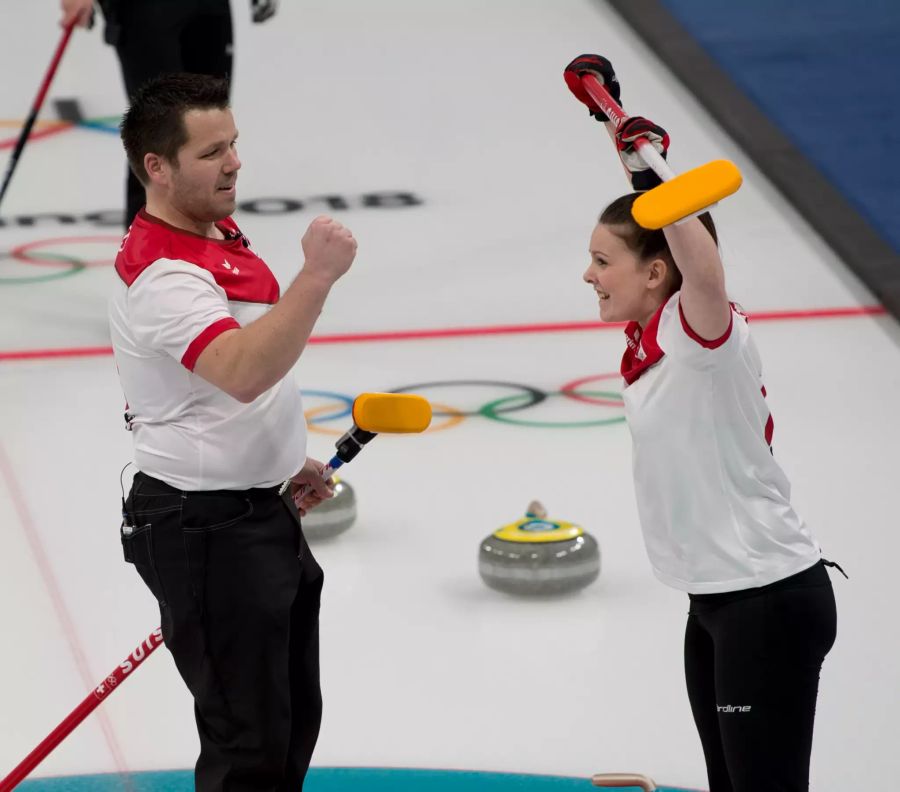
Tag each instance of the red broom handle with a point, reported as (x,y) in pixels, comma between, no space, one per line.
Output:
(597,91)
(36,108)
(93,700)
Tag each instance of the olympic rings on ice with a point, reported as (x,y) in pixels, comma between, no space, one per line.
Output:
(505,408)
(27,253)
(72,267)
(32,253)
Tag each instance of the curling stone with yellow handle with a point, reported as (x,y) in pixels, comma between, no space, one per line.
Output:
(539,555)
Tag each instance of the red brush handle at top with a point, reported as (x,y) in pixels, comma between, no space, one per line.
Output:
(77,715)
(54,64)
(36,108)
(597,91)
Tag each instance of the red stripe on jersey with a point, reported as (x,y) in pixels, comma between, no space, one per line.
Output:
(770,422)
(242,275)
(714,344)
(189,359)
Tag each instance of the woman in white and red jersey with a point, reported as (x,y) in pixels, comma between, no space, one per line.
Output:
(714,504)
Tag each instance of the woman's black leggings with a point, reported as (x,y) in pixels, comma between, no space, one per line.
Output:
(752,660)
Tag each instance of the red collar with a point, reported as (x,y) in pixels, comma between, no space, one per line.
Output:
(227,226)
(643,349)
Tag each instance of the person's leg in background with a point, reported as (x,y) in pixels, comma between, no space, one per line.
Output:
(154,37)
(207,41)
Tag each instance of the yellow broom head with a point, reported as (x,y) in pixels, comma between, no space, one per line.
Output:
(391,413)
(686,194)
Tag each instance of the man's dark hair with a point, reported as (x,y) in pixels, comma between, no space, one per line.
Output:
(155,121)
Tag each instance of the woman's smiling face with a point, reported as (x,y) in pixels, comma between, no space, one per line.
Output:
(619,278)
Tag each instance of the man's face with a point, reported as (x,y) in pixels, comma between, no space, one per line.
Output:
(202,185)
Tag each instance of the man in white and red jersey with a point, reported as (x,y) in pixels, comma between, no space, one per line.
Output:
(204,346)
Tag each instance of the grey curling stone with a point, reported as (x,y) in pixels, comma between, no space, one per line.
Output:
(333,516)
(536,555)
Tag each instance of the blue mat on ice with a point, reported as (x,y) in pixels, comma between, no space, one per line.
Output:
(826,73)
(337,779)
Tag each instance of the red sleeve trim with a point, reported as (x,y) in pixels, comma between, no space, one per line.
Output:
(189,359)
(714,344)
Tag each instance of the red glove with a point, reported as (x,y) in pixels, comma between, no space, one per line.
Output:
(602,68)
(643,177)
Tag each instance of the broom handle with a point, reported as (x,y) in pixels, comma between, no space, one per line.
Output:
(77,715)
(597,91)
(36,108)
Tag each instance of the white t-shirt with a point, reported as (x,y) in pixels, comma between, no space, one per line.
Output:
(177,292)
(714,504)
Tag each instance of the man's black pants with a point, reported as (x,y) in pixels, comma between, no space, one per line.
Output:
(752,663)
(238,592)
